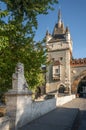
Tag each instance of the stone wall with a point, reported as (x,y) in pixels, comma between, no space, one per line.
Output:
(59,46)
(77,71)
(4,123)
(29,111)
(51,87)
(62,100)
(65,75)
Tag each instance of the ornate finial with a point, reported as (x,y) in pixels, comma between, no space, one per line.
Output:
(47,32)
(48,36)
(67,30)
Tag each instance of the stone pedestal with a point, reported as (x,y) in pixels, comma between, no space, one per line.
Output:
(18,97)
(15,103)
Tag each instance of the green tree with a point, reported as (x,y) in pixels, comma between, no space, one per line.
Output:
(17,40)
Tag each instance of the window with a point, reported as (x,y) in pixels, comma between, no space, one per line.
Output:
(56,71)
(61,58)
(53,59)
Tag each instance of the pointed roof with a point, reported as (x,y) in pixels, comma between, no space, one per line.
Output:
(67,30)
(57,38)
(59,31)
(59,27)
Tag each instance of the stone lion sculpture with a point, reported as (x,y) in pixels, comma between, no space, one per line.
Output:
(18,78)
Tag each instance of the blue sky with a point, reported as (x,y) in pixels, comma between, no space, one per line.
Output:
(73,16)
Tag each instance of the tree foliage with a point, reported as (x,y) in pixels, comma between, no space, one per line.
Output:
(17,40)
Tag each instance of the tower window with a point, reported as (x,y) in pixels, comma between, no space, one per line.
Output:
(61,58)
(53,59)
(56,71)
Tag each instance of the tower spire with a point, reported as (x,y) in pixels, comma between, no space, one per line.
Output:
(59,15)
(59,18)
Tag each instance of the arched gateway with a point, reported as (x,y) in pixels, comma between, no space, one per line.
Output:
(79,85)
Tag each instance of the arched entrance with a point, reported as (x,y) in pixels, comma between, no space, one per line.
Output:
(82,87)
(77,84)
(61,89)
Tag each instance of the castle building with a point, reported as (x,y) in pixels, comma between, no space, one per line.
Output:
(63,72)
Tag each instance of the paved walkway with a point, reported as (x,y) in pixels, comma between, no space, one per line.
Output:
(81,104)
(62,118)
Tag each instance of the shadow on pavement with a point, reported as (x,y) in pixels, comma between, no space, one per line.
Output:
(59,119)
